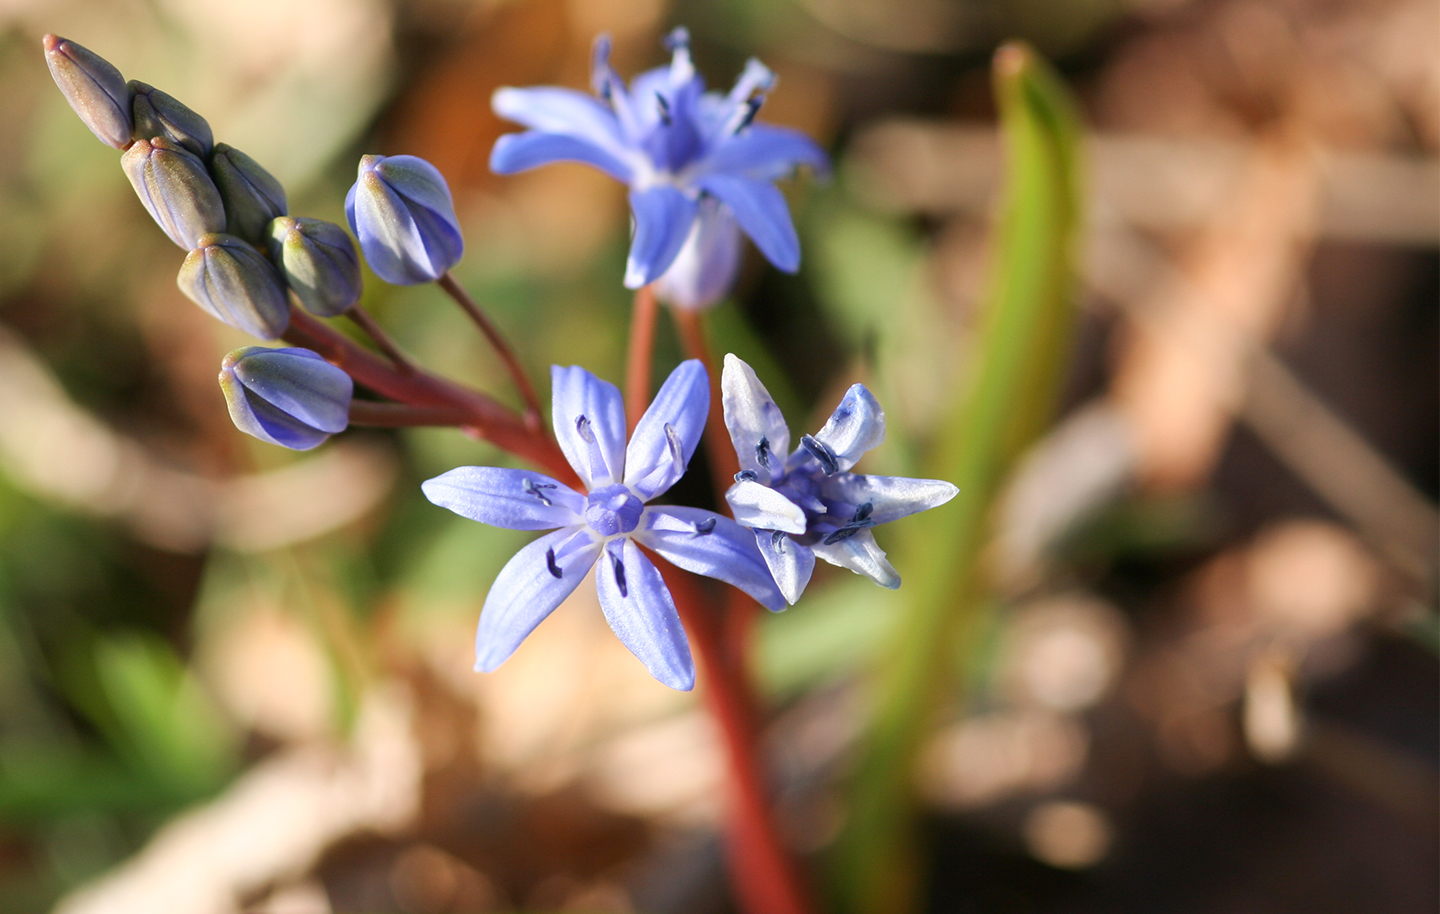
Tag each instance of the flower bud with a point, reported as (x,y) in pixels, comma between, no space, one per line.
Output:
(400,209)
(159,114)
(93,87)
(251,194)
(289,397)
(231,280)
(319,263)
(704,270)
(176,189)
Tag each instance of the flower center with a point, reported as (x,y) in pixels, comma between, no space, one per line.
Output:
(613,510)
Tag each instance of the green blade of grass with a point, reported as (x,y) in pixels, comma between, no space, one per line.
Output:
(1005,404)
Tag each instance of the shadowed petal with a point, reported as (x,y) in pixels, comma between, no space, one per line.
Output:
(861,554)
(642,614)
(717,547)
(790,563)
(527,590)
(662,222)
(889,497)
(757,429)
(516,152)
(589,419)
(856,426)
(514,499)
(761,211)
(763,152)
(760,506)
(666,435)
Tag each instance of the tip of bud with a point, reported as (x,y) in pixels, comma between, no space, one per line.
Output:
(51,42)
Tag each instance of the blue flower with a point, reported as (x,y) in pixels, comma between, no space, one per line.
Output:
(290,397)
(674,144)
(607,523)
(809,504)
(400,209)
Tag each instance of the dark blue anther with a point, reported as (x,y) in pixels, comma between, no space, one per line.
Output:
(862,513)
(664,106)
(752,108)
(762,452)
(705,527)
(821,452)
(582,427)
(746,476)
(551,564)
(777,541)
(620,576)
(531,487)
(844,533)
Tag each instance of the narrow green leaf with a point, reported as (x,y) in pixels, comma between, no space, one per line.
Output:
(1003,407)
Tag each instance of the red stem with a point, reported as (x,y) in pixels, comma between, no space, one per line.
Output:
(365,322)
(642,344)
(502,348)
(764,877)
(484,417)
(398,415)
(723,462)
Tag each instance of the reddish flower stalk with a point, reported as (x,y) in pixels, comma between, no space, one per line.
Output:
(533,412)
(642,344)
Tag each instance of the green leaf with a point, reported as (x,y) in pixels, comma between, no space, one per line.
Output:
(1002,408)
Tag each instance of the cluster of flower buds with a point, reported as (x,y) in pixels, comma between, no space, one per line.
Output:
(244,248)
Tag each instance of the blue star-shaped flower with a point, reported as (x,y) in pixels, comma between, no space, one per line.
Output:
(677,147)
(606,523)
(808,504)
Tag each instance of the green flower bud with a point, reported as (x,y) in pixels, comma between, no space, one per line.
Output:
(93,87)
(252,195)
(319,263)
(234,282)
(159,114)
(176,189)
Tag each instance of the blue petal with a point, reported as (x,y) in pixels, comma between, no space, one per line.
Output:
(405,241)
(254,416)
(856,426)
(762,213)
(550,109)
(727,552)
(299,383)
(663,215)
(790,563)
(763,152)
(862,555)
(642,614)
(761,507)
(666,436)
(526,591)
(889,497)
(596,446)
(704,270)
(516,152)
(757,428)
(515,499)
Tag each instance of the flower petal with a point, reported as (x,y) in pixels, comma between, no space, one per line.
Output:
(663,216)
(764,152)
(757,429)
(527,590)
(763,214)
(704,270)
(551,109)
(589,419)
(889,497)
(861,554)
(640,611)
(514,499)
(300,384)
(856,426)
(762,507)
(516,152)
(790,563)
(666,436)
(706,543)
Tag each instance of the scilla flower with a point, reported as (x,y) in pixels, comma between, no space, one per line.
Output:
(809,504)
(400,209)
(607,523)
(674,144)
(289,397)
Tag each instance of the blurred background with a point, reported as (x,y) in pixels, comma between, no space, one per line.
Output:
(233,678)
